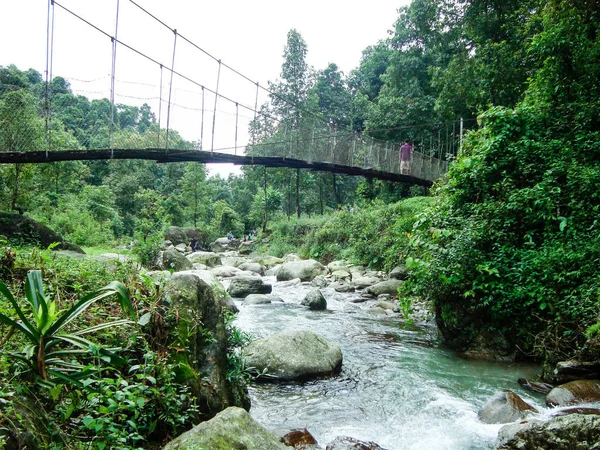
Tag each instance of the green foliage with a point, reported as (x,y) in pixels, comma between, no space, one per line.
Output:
(226,219)
(125,412)
(375,235)
(44,354)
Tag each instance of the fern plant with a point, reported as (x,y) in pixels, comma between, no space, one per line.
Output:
(48,343)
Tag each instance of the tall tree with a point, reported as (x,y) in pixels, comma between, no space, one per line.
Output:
(20,130)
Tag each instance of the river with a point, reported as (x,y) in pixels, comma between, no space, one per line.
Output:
(398,387)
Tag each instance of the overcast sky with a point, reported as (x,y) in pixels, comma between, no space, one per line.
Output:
(247,35)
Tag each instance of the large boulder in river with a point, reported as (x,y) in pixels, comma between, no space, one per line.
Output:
(361,282)
(201,236)
(572,370)
(257,299)
(226,271)
(504,407)
(306,270)
(570,432)
(220,245)
(315,300)
(399,273)
(191,320)
(230,429)
(574,392)
(338,265)
(176,235)
(385,287)
(244,285)
(253,267)
(210,279)
(294,355)
(349,443)
(174,260)
(26,230)
(209,259)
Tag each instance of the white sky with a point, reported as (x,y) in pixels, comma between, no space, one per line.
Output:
(247,35)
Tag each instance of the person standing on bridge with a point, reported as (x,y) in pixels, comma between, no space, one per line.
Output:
(406,152)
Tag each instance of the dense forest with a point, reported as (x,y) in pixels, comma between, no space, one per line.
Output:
(506,247)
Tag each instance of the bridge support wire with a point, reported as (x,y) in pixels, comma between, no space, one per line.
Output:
(159,105)
(112,79)
(202,122)
(171,89)
(212,142)
(236,128)
(49,54)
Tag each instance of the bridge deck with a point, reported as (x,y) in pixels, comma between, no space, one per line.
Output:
(169,156)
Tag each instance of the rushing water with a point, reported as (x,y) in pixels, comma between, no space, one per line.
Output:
(398,386)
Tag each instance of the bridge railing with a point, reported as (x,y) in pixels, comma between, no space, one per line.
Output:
(351,150)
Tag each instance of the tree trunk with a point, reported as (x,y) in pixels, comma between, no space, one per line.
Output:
(336,193)
(264,228)
(289,202)
(15,193)
(321,195)
(298,193)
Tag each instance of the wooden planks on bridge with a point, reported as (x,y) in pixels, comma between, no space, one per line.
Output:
(170,156)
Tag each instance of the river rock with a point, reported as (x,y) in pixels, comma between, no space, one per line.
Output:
(574,392)
(576,370)
(221,245)
(166,245)
(386,305)
(197,266)
(209,259)
(300,439)
(319,282)
(159,276)
(338,265)
(341,275)
(231,429)
(246,247)
(176,236)
(504,407)
(230,305)
(244,285)
(535,386)
(257,299)
(226,271)
(385,287)
(234,261)
(268,261)
(181,248)
(291,257)
(192,314)
(315,300)
(489,346)
(273,271)
(201,236)
(342,287)
(306,270)
(210,279)
(294,355)
(253,267)
(399,273)
(361,282)
(571,432)
(377,311)
(174,260)
(26,230)
(349,443)
(290,283)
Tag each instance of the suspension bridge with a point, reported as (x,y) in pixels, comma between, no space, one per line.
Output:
(203,105)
